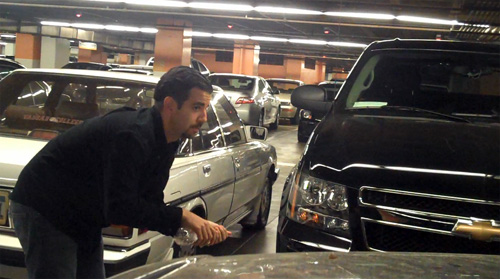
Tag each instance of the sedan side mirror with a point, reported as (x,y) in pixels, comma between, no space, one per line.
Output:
(311,97)
(256,132)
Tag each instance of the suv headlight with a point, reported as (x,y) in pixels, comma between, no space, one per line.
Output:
(318,203)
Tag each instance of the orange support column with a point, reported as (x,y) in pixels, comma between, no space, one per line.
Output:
(28,50)
(124,58)
(293,68)
(172,45)
(320,71)
(246,58)
(98,55)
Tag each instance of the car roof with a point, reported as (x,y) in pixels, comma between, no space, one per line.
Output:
(233,75)
(284,80)
(94,73)
(11,62)
(434,44)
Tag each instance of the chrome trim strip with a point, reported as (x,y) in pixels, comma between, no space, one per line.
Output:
(416,212)
(424,195)
(404,226)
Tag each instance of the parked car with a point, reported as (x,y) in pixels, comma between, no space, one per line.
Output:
(8,65)
(87,66)
(223,174)
(309,118)
(324,265)
(195,64)
(252,97)
(407,159)
(285,87)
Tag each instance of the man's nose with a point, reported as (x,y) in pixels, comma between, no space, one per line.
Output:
(203,116)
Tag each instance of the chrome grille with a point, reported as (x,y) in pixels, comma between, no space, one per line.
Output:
(434,204)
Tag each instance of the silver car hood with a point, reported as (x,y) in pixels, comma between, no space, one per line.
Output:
(15,153)
(361,265)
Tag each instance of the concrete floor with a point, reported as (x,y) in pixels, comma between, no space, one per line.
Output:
(245,241)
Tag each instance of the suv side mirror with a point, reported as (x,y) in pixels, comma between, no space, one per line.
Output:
(311,97)
(256,132)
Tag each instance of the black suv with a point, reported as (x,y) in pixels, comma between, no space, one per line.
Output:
(407,157)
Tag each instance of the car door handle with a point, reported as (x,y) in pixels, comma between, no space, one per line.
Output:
(207,169)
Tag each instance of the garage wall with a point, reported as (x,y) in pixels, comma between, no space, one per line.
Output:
(272,71)
(208,58)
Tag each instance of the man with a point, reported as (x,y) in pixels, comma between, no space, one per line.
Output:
(109,170)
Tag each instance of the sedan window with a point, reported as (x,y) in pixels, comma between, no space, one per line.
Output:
(230,122)
(209,136)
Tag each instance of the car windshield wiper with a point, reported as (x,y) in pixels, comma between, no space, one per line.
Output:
(443,115)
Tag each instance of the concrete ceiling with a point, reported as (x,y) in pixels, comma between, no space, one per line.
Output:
(25,16)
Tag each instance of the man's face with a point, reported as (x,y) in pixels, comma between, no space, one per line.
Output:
(193,113)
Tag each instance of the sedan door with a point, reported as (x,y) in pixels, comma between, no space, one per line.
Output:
(248,168)
(271,102)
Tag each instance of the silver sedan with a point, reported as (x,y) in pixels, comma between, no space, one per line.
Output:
(252,97)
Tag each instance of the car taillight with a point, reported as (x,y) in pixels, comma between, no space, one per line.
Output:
(121,231)
(244,100)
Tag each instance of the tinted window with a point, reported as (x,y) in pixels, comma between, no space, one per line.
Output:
(52,102)
(229,120)
(233,83)
(203,68)
(460,84)
(285,87)
(261,85)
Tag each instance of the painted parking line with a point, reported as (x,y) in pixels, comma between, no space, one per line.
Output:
(286,164)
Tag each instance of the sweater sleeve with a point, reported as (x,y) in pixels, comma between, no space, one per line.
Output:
(125,206)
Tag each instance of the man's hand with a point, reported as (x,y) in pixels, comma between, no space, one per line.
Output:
(209,233)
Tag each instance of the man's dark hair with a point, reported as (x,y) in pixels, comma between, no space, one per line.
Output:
(177,83)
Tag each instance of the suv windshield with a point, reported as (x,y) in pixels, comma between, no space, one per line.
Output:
(54,103)
(460,84)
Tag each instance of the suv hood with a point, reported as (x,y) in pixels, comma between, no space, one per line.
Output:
(15,153)
(407,149)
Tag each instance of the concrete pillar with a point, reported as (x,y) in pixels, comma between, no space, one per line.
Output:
(320,71)
(293,68)
(10,49)
(246,58)
(28,50)
(172,45)
(55,52)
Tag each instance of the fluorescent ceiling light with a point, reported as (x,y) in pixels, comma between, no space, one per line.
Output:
(7,36)
(428,20)
(232,36)
(345,44)
(308,42)
(122,28)
(223,7)
(87,25)
(148,30)
(55,23)
(198,34)
(268,39)
(281,10)
(3,44)
(175,4)
(361,15)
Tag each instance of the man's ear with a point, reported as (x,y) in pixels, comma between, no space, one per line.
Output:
(169,104)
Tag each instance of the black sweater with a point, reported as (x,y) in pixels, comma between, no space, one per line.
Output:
(107,170)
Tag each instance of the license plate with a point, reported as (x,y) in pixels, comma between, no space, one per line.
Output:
(4,207)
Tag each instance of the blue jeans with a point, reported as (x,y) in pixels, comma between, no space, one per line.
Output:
(49,253)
